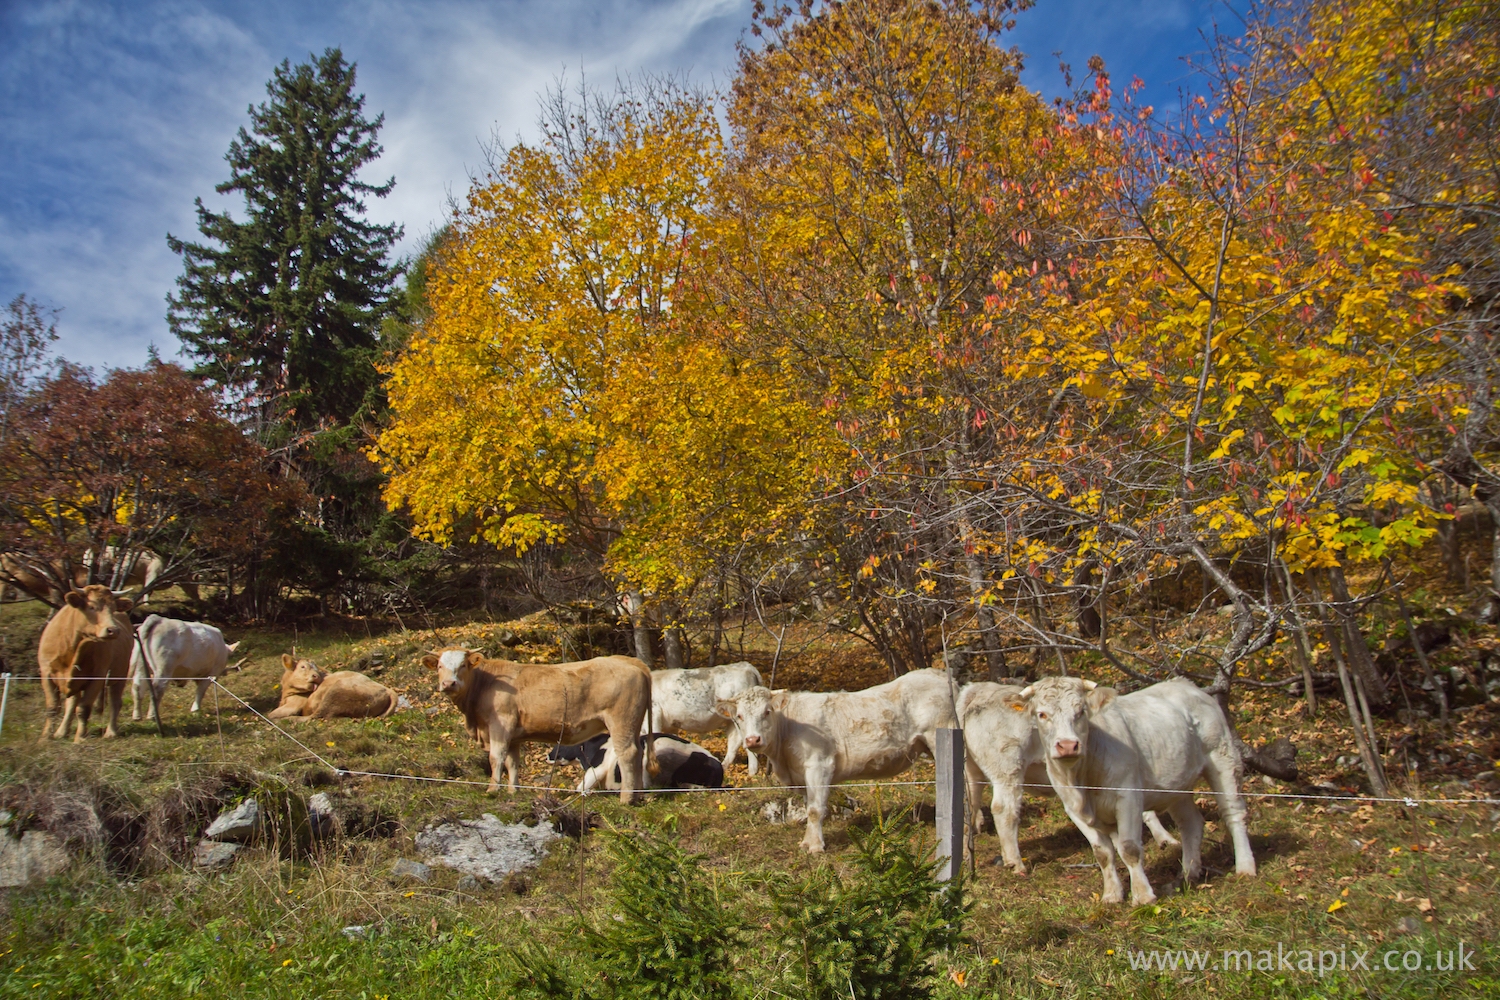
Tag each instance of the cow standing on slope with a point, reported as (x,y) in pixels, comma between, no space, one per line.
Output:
(1109,756)
(176,652)
(83,654)
(816,740)
(505,704)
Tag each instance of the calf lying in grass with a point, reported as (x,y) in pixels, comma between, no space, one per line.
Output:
(311,692)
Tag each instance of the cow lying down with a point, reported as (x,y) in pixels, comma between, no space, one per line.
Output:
(1109,756)
(1006,750)
(680,763)
(816,739)
(311,692)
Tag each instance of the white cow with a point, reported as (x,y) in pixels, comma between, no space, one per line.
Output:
(686,700)
(1002,743)
(1109,756)
(815,740)
(176,651)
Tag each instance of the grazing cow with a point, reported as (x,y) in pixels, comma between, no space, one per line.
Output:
(680,763)
(505,704)
(1004,746)
(312,693)
(176,652)
(685,700)
(1109,756)
(818,739)
(83,654)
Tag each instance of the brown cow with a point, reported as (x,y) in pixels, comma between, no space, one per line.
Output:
(505,704)
(299,679)
(84,653)
(310,692)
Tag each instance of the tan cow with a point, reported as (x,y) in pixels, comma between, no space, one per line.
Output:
(84,653)
(311,692)
(505,704)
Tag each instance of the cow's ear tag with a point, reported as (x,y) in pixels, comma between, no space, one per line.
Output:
(1018,706)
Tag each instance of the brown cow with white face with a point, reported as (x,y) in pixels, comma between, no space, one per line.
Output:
(505,704)
(85,651)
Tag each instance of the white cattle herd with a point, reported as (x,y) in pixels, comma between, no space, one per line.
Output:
(1113,760)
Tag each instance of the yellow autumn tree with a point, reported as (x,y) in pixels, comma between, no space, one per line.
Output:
(566,387)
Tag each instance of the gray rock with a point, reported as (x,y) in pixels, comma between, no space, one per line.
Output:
(414,870)
(239,825)
(5,817)
(210,854)
(469,884)
(486,848)
(794,810)
(356,932)
(1407,925)
(403,703)
(321,815)
(33,857)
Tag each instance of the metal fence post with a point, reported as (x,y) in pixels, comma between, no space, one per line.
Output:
(950,803)
(4,699)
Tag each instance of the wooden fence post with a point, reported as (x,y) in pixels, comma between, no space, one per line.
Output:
(950,803)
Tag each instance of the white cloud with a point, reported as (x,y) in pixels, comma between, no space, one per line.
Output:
(118,115)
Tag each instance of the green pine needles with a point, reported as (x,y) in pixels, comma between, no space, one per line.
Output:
(284,308)
(672,930)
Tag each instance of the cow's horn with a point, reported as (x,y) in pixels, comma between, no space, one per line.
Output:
(1027,691)
(1090,685)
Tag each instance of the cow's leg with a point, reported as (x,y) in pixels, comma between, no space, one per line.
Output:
(513,766)
(734,739)
(1158,832)
(116,700)
(70,706)
(628,753)
(1127,840)
(499,756)
(1223,776)
(137,694)
(1005,805)
(818,780)
(198,697)
(1190,822)
(1081,811)
(85,708)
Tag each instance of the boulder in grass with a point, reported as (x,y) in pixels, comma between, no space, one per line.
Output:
(211,854)
(414,870)
(239,825)
(33,857)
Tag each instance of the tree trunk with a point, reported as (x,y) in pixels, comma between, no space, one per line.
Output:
(1357,652)
(1363,741)
(674,647)
(635,606)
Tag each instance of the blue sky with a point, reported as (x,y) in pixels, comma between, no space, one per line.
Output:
(114,116)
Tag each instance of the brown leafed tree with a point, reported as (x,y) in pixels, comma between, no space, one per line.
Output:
(142,461)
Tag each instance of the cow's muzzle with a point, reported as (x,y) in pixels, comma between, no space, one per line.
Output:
(752,741)
(1065,748)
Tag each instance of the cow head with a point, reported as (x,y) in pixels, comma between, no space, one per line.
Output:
(1062,707)
(97,605)
(755,711)
(454,668)
(300,677)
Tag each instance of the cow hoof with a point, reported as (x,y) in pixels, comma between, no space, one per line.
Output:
(1145,899)
(1112,897)
(110,734)
(811,848)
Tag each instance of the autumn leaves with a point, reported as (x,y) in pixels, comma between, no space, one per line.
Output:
(935,349)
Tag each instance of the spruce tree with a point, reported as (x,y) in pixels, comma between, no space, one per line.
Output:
(283,310)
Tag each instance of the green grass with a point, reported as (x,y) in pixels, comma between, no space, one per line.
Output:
(142,924)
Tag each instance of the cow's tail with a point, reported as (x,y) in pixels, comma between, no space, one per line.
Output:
(394,698)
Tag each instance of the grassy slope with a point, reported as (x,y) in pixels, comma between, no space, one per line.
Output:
(271,927)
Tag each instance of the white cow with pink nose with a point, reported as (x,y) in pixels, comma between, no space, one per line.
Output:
(817,739)
(1110,756)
